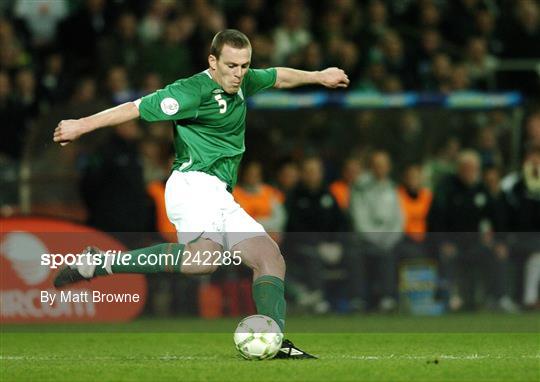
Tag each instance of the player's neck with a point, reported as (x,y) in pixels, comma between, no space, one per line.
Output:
(214,76)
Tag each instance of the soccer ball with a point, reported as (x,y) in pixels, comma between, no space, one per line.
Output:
(258,337)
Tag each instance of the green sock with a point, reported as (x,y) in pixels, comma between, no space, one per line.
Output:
(140,259)
(269,296)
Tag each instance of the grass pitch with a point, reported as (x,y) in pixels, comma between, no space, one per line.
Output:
(352,348)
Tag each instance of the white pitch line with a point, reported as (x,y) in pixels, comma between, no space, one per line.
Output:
(106,358)
(170,357)
(432,356)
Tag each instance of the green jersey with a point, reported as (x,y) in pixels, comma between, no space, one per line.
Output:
(209,124)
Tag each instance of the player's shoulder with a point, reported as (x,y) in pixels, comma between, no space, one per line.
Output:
(195,80)
(199,84)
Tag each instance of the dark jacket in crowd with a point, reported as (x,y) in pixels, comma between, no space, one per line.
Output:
(313,211)
(459,212)
(524,217)
(524,208)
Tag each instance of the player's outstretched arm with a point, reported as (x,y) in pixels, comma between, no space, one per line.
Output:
(330,78)
(70,129)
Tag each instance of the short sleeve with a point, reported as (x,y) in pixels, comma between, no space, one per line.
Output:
(257,80)
(179,100)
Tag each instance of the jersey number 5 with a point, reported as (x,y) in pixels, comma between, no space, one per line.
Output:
(222,103)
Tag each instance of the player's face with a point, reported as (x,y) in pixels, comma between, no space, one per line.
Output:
(231,67)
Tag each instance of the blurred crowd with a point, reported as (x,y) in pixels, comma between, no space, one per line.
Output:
(58,51)
(345,233)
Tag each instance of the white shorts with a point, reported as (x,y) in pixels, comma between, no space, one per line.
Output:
(199,205)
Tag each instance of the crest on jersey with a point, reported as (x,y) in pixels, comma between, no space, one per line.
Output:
(169,106)
(217,91)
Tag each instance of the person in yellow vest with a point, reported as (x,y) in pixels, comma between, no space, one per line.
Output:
(260,200)
(415,201)
(341,188)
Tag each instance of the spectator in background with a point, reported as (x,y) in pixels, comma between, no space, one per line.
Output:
(429,15)
(292,34)
(332,26)
(287,177)
(260,200)
(524,213)
(41,18)
(9,152)
(53,80)
(377,218)
(150,83)
(394,57)
(78,36)
(344,54)
(464,220)
(374,77)
(313,57)
(415,201)
(153,22)
(118,86)
(365,136)
(488,148)
(439,76)
(460,79)
(443,163)
(480,63)
(522,33)
(486,28)
(521,36)
(85,92)
(376,24)
(532,130)
(392,84)
(430,44)
(12,53)
(261,11)
(174,46)
(247,24)
(340,20)
(25,109)
(12,117)
(407,143)
(263,50)
(122,48)
(112,184)
(341,188)
(313,233)
(26,92)
(210,20)
(492,183)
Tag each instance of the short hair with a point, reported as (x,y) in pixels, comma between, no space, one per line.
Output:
(231,37)
(468,156)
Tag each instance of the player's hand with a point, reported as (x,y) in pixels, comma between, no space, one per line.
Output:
(68,130)
(334,78)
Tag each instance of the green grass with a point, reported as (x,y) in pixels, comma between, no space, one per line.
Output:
(373,348)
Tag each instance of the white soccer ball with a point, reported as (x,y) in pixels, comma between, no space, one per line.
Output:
(258,337)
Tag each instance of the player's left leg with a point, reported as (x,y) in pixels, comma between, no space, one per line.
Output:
(262,255)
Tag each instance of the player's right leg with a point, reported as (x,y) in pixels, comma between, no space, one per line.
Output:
(174,260)
(191,206)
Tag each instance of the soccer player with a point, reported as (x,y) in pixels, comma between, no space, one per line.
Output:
(208,112)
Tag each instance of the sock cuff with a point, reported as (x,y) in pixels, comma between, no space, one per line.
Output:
(267,279)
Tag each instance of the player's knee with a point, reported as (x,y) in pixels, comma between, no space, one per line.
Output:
(271,263)
(263,256)
(200,257)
